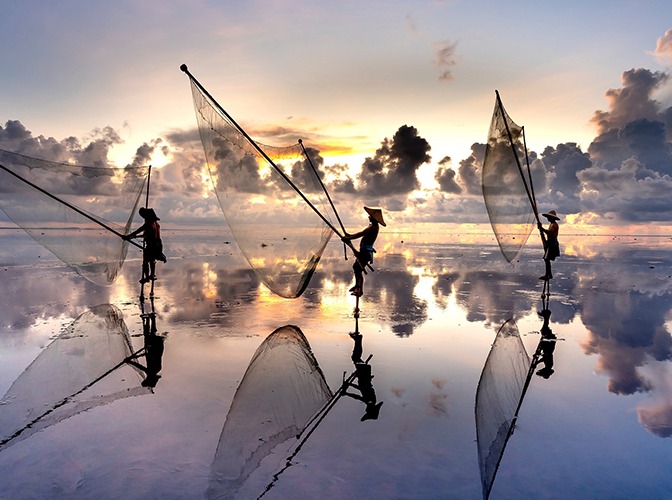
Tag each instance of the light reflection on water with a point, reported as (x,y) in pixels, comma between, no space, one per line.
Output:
(429,316)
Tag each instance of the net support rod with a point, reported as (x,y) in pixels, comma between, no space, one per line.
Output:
(530,196)
(324,188)
(72,207)
(184,68)
(149,177)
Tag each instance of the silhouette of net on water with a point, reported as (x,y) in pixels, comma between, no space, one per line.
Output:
(38,204)
(281,390)
(82,368)
(504,190)
(500,389)
(281,237)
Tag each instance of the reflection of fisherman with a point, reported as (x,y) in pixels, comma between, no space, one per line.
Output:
(550,239)
(546,347)
(153,351)
(363,375)
(366,250)
(153,247)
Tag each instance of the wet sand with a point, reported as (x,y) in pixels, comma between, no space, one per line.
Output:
(599,426)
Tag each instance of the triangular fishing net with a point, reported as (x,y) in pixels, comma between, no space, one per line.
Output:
(281,390)
(280,235)
(82,368)
(504,184)
(69,209)
(500,389)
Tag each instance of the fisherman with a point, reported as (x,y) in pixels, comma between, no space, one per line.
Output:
(550,239)
(365,254)
(152,245)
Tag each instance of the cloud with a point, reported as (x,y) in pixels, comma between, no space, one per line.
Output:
(393,169)
(470,170)
(446,177)
(444,59)
(663,50)
(631,102)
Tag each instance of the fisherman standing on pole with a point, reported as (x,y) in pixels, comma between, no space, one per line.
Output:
(365,254)
(153,246)
(549,238)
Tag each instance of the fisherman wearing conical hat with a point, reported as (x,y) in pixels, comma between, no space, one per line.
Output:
(366,250)
(550,239)
(153,246)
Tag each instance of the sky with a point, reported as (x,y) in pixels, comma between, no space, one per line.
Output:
(396,96)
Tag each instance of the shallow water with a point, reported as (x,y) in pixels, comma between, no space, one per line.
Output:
(599,426)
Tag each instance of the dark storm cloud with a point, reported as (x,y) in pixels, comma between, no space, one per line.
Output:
(444,59)
(342,182)
(562,165)
(627,169)
(302,172)
(633,101)
(393,169)
(470,170)
(446,177)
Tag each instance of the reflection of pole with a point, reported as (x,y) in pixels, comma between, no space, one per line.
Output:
(528,379)
(357,316)
(317,419)
(67,399)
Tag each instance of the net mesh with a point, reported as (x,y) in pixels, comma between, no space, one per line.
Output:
(278,233)
(497,397)
(281,390)
(81,369)
(111,193)
(504,193)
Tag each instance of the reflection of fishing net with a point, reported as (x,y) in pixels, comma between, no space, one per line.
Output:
(506,198)
(81,369)
(111,193)
(279,234)
(282,389)
(497,397)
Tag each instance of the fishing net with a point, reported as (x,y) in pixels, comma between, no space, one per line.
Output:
(81,369)
(504,185)
(281,390)
(55,204)
(497,398)
(279,234)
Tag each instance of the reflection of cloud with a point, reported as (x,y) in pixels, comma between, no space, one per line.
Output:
(657,420)
(625,312)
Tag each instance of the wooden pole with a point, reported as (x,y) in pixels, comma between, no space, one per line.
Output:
(72,207)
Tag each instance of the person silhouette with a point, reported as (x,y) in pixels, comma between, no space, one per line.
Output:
(546,346)
(549,238)
(153,351)
(365,254)
(367,393)
(152,245)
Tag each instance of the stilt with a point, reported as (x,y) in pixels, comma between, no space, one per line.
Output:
(356,314)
